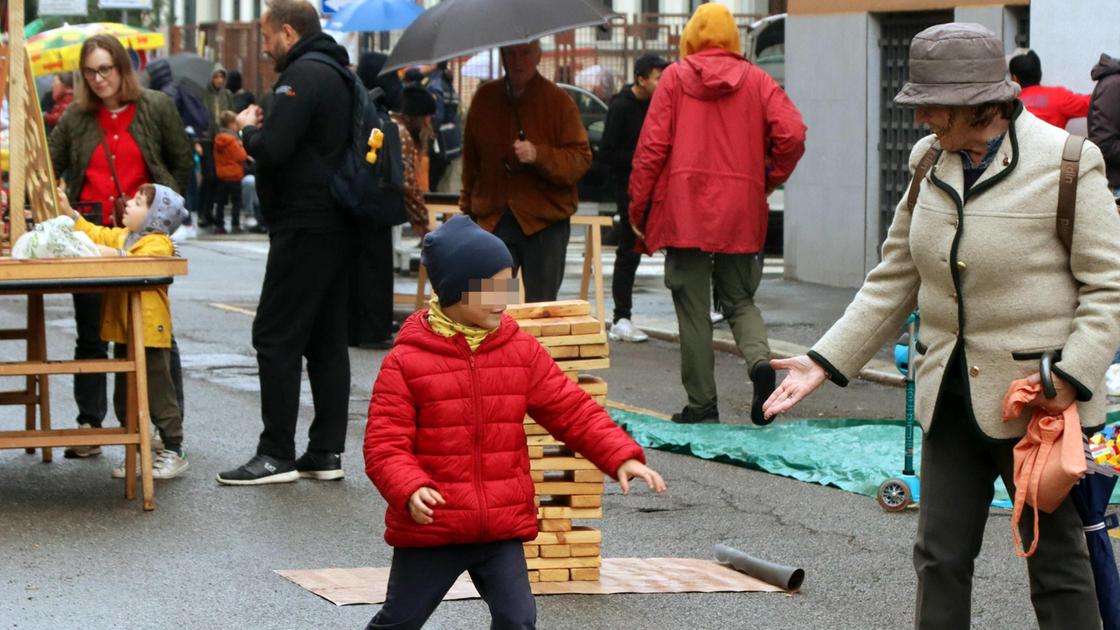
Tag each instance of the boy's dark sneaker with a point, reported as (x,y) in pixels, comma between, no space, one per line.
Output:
(320,465)
(688,415)
(259,471)
(764,380)
(219,230)
(258,229)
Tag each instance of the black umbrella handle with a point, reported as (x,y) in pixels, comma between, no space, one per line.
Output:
(1046,374)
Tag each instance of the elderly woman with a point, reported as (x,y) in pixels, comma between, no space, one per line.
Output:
(980,255)
(116,137)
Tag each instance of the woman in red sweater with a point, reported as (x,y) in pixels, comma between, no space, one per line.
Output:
(445,444)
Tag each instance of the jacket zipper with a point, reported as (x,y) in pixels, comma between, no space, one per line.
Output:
(476,398)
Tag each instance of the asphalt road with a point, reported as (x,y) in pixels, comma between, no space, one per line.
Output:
(74,553)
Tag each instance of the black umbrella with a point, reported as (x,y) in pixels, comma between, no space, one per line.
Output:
(454,28)
(191,71)
(1090,497)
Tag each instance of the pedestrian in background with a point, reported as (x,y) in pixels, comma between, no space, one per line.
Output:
(1104,117)
(625,117)
(62,94)
(720,135)
(447,123)
(975,247)
(239,96)
(523,189)
(229,165)
(216,100)
(1052,103)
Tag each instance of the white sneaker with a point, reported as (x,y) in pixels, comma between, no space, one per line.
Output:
(184,233)
(625,330)
(716,317)
(165,465)
(81,452)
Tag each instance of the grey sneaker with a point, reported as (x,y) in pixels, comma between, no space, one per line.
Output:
(82,452)
(625,330)
(169,464)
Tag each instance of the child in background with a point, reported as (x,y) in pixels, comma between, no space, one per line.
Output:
(149,218)
(445,443)
(229,162)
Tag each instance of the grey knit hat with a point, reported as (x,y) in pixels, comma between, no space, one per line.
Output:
(957,64)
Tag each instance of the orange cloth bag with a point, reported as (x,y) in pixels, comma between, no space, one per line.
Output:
(1049,459)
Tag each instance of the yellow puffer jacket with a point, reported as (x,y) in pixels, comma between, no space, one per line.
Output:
(154,303)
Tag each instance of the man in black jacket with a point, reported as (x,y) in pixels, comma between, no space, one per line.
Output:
(1104,117)
(303,304)
(620,136)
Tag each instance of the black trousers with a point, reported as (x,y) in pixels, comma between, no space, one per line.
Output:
(208,191)
(626,262)
(228,193)
(419,578)
(90,389)
(302,314)
(959,468)
(371,285)
(538,259)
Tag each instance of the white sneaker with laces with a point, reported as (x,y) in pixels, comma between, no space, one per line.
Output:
(81,452)
(184,232)
(165,465)
(717,317)
(625,330)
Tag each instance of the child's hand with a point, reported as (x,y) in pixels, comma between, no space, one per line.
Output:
(420,502)
(632,468)
(64,203)
(108,251)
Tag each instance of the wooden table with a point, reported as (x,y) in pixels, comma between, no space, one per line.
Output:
(36,278)
(592,258)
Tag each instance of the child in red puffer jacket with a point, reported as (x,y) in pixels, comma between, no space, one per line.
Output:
(445,443)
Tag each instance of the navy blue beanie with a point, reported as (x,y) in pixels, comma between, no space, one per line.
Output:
(458,252)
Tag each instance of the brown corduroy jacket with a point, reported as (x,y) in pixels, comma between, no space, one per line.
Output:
(539,194)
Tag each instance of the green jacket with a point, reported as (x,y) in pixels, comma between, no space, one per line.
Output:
(216,102)
(157,129)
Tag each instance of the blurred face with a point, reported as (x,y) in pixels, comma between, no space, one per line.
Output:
(649,84)
(482,306)
(277,42)
(521,62)
(218,80)
(102,77)
(949,124)
(135,212)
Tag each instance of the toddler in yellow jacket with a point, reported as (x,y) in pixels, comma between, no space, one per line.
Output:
(149,218)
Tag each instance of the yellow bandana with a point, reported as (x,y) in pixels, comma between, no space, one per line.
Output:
(448,327)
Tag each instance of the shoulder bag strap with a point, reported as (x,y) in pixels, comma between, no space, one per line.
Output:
(112,167)
(920,171)
(1067,189)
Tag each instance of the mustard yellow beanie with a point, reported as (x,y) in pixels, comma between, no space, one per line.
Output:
(710,27)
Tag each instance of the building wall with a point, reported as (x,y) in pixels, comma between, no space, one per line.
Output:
(1068,53)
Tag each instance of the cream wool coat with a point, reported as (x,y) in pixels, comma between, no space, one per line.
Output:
(987,271)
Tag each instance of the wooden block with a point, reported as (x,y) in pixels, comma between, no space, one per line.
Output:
(585,325)
(556,551)
(562,308)
(564,487)
(564,563)
(554,575)
(573,340)
(543,440)
(567,352)
(553,512)
(580,535)
(534,551)
(588,476)
(536,452)
(554,326)
(593,385)
(530,327)
(595,350)
(585,575)
(572,375)
(578,365)
(600,400)
(535,429)
(536,475)
(561,463)
(584,551)
(555,525)
(535,576)
(586,513)
(586,501)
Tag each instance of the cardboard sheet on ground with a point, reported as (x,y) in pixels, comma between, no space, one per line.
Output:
(853,455)
(344,587)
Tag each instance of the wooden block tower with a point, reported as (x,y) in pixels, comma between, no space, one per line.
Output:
(569,487)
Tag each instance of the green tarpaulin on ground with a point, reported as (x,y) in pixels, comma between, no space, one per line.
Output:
(853,455)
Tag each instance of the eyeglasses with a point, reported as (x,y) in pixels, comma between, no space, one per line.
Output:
(104,72)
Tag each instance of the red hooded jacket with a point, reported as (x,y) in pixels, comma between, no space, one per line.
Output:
(719,133)
(449,419)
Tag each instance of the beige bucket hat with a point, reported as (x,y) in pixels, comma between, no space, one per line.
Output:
(959,63)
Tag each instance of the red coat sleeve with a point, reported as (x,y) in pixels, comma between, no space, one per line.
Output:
(653,147)
(390,437)
(785,131)
(568,413)
(1075,105)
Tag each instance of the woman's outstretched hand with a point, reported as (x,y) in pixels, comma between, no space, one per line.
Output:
(804,377)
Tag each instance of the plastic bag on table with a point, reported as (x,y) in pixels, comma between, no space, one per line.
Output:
(55,238)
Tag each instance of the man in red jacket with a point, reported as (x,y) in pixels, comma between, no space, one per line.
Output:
(445,443)
(1052,103)
(720,135)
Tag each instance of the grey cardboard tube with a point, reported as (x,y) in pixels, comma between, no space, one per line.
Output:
(789,578)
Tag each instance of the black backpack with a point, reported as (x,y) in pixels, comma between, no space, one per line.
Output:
(368,191)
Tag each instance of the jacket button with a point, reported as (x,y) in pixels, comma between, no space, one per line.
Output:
(974,371)
(116,137)
(961,265)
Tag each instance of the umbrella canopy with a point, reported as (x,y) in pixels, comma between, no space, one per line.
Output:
(191,71)
(58,49)
(367,16)
(1090,496)
(455,28)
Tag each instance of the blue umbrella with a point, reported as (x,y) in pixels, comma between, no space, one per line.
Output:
(367,16)
(1090,497)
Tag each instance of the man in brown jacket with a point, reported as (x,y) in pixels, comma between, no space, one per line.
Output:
(524,151)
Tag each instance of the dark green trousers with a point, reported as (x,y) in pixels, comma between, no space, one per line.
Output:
(163,404)
(689,274)
(959,468)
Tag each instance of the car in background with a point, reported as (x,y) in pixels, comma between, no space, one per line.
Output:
(596,184)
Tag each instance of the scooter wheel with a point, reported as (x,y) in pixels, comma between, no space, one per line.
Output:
(894,495)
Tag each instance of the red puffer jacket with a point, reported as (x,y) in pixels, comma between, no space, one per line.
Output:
(444,417)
